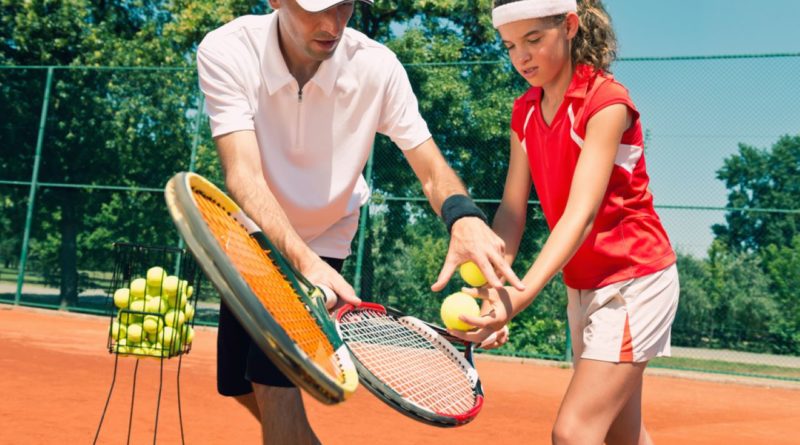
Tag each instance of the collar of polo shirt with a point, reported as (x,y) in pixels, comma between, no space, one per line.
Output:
(276,73)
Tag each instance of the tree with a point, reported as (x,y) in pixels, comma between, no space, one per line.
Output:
(761,179)
(782,266)
(107,127)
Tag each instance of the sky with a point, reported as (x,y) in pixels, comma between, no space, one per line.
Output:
(696,112)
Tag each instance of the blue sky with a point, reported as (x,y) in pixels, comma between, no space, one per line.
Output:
(698,111)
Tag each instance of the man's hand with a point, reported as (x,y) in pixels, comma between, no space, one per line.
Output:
(472,239)
(319,273)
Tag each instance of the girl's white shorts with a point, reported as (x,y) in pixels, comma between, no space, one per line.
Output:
(628,321)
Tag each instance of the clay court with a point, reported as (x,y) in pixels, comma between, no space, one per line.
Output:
(55,375)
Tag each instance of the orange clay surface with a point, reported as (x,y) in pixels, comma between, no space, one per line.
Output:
(55,373)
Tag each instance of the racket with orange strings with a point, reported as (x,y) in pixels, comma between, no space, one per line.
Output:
(284,314)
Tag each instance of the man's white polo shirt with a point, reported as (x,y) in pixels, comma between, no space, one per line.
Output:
(314,143)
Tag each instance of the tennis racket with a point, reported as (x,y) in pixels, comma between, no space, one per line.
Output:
(411,365)
(283,313)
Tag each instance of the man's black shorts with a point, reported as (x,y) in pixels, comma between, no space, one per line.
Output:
(239,361)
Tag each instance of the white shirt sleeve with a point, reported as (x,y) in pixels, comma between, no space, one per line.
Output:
(400,118)
(227,104)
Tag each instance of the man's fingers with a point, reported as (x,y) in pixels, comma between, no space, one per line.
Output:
(346,292)
(330,296)
(489,273)
(448,269)
(509,274)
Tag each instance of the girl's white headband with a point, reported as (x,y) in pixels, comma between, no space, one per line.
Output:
(530,9)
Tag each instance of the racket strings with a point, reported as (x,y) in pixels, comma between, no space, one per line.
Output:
(267,282)
(408,362)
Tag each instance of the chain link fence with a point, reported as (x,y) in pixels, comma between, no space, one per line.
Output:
(85,152)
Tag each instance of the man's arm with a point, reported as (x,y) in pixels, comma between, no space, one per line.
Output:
(470,237)
(244,180)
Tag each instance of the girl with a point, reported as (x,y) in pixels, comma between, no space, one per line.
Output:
(577,136)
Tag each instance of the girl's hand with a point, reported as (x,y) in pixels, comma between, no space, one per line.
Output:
(500,311)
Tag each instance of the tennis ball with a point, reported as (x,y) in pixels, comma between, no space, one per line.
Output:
(134,333)
(187,334)
(121,347)
(170,285)
(137,306)
(155,278)
(138,288)
(471,273)
(458,304)
(189,312)
(118,330)
(167,336)
(152,323)
(122,297)
(174,318)
(156,305)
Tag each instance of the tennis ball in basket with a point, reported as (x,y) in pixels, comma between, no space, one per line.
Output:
(472,274)
(166,337)
(458,304)
(137,306)
(152,323)
(134,333)
(122,297)
(189,312)
(155,277)
(170,285)
(156,305)
(121,347)
(187,334)
(118,330)
(174,318)
(138,288)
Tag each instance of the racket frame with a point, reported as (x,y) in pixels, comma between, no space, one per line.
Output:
(392,397)
(265,331)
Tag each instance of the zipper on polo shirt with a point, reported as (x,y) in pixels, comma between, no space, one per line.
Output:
(298,138)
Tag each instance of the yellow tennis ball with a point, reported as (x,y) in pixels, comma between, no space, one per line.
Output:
(155,276)
(472,274)
(174,318)
(458,304)
(187,334)
(167,336)
(156,305)
(138,288)
(170,285)
(122,297)
(152,323)
(118,330)
(189,312)
(134,333)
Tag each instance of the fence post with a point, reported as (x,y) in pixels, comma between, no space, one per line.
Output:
(196,139)
(23,256)
(568,348)
(362,227)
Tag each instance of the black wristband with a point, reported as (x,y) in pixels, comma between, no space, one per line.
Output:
(456,207)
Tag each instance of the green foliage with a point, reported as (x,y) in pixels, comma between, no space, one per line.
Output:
(782,265)
(762,179)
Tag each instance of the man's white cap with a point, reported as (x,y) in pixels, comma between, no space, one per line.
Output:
(530,9)
(321,5)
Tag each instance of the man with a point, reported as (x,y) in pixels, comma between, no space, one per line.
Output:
(295,100)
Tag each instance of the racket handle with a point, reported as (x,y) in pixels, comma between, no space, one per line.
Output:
(330,296)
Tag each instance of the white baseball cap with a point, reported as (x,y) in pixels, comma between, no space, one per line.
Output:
(321,5)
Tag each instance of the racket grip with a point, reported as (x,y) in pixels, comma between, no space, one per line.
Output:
(330,296)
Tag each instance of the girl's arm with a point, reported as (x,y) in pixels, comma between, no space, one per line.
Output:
(592,173)
(509,221)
